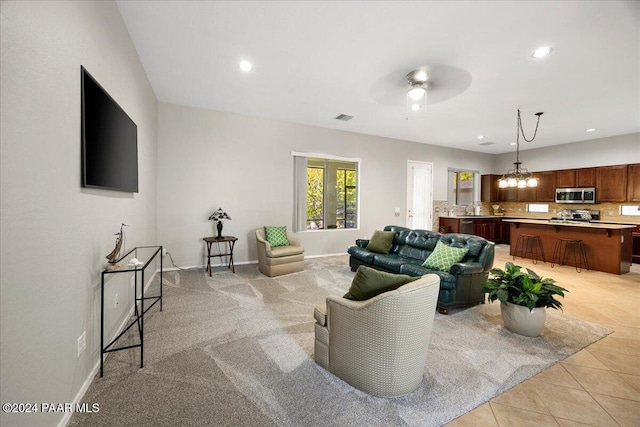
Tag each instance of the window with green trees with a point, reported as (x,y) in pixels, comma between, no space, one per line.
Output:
(331,199)
(462,187)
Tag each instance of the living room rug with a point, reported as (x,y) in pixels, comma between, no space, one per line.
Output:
(237,349)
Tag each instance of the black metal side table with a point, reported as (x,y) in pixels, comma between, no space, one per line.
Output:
(230,240)
(139,313)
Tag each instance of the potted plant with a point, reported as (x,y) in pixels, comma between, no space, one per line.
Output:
(524,298)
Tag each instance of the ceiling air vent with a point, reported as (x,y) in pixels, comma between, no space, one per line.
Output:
(344,117)
(488,143)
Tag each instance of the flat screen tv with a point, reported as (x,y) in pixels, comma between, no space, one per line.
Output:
(109,141)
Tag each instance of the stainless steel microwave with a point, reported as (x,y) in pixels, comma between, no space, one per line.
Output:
(576,195)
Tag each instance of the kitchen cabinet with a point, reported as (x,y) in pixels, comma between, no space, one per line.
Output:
(546,189)
(527,194)
(544,192)
(509,194)
(489,188)
(449,225)
(585,177)
(566,178)
(491,193)
(617,183)
(608,246)
(611,183)
(505,232)
(633,183)
(490,229)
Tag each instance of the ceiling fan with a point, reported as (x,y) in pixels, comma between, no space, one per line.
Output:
(442,82)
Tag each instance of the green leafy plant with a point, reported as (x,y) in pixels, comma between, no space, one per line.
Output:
(522,288)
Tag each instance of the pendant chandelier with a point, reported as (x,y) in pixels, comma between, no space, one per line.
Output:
(518,176)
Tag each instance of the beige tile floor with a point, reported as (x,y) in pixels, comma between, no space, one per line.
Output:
(597,386)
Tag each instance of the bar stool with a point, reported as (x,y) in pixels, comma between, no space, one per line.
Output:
(579,253)
(529,244)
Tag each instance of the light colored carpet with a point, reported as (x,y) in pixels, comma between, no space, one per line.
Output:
(237,349)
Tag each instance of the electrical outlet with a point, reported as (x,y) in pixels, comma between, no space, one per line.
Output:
(116,301)
(164,252)
(82,343)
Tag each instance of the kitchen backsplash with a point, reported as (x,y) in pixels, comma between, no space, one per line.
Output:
(608,211)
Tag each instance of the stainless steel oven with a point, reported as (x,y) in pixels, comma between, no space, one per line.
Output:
(576,195)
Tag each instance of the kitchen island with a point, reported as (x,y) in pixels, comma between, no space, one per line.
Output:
(608,246)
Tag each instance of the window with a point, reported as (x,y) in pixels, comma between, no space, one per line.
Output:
(538,207)
(326,195)
(463,185)
(633,210)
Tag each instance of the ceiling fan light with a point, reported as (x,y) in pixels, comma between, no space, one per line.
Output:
(541,52)
(417,92)
(245,66)
(420,76)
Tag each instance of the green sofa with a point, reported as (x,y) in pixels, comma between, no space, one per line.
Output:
(461,286)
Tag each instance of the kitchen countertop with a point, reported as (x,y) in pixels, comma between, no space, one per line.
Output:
(592,225)
(508,217)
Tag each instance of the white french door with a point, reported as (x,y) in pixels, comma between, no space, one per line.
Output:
(419,195)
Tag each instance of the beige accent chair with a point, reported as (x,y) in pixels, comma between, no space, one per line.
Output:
(281,259)
(379,345)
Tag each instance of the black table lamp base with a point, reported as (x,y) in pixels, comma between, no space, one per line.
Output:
(219,226)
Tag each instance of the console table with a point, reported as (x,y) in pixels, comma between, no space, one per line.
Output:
(139,313)
(230,240)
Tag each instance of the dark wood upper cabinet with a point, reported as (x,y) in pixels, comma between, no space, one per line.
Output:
(633,185)
(611,183)
(489,188)
(586,177)
(619,183)
(566,178)
(527,194)
(509,194)
(546,189)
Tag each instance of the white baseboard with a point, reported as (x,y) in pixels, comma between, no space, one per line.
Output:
(325,255)
(192,267)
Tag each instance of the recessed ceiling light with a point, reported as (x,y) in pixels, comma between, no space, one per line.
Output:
(245,66)
(480,136)
(541,52)
(590,130)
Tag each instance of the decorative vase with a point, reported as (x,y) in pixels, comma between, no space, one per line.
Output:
(521,320)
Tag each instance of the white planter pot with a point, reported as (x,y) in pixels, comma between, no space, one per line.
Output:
(520,320)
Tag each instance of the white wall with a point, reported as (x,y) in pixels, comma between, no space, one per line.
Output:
(55,234)
(615,150)
(209,159)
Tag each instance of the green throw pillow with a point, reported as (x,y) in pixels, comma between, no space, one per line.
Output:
(370,282)
(381,241)
(443,257)
(276,236)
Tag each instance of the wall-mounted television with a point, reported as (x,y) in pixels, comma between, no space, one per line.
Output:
(109,140)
